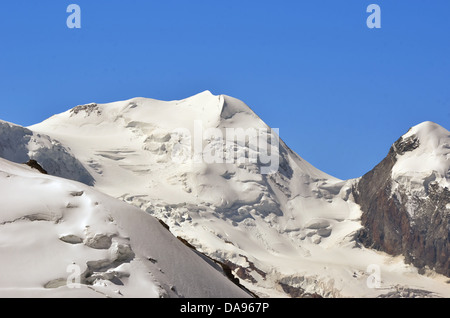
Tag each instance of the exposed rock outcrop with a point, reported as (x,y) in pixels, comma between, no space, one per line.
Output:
(35,165)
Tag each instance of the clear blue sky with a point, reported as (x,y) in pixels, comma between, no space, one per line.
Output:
(339,92)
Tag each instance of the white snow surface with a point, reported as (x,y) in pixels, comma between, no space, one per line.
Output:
(294,227)
(52,228)
(20,144)
(432,157)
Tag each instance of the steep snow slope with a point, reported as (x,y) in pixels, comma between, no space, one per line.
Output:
(19,144)
(283,225)
(53,229)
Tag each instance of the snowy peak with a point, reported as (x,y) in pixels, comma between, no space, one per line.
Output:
(423,153)
(429,131)
(143,112)
(139,136)
(429,137)
(206,107)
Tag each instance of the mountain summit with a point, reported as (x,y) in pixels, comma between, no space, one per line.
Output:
(405,199)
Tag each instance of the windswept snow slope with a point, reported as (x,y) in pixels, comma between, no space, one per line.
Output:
(53,229)
(287,232)
(19,144)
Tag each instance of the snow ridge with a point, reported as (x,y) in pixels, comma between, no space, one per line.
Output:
(69,240)
(19,144)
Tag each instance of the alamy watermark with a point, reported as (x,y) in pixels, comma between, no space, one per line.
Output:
(74,19)
(229,145)
(374,279)
(74,278)
(374,19)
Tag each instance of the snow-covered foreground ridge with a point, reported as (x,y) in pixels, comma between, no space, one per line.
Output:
(288,232)
(60,238)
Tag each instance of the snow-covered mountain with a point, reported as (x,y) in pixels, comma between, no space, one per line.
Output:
(406,199)
(222,180)
(60,238)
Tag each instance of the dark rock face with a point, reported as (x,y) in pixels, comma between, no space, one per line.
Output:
(35,165)
(297,292)
(387,226)
(88,109)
